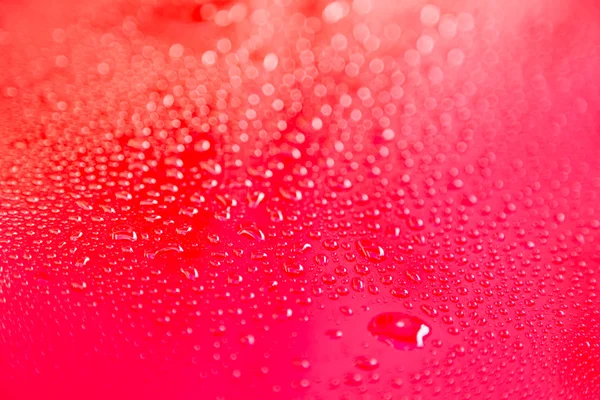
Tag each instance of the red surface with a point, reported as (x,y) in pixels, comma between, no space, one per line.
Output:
(215,200)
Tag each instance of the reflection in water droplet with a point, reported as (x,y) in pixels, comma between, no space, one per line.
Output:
(401,331)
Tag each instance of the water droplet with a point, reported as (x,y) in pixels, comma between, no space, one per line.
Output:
(293,268)
(366,363)
(82,262)
(163,251)
(124,233)
(291,194)
(399,330)
(255,198)
(190,273)
(370,250)
(334,333)
(250,230)
(79,286)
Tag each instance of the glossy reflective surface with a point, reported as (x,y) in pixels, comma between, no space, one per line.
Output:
(299,199)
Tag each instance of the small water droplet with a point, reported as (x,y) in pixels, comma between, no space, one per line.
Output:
(79,285)
(366,363)
(293,268)
(163,250)
(251,231)
(82,262)
(124,233)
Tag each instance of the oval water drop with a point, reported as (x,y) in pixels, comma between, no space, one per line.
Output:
(399,330)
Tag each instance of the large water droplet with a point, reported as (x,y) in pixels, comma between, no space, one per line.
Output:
(370,250)
(399,330)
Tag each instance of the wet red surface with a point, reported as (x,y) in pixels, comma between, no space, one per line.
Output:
(299,199)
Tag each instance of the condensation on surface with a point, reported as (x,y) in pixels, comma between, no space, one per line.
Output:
(299,199)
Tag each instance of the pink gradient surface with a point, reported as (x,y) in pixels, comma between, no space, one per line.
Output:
(279,199)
